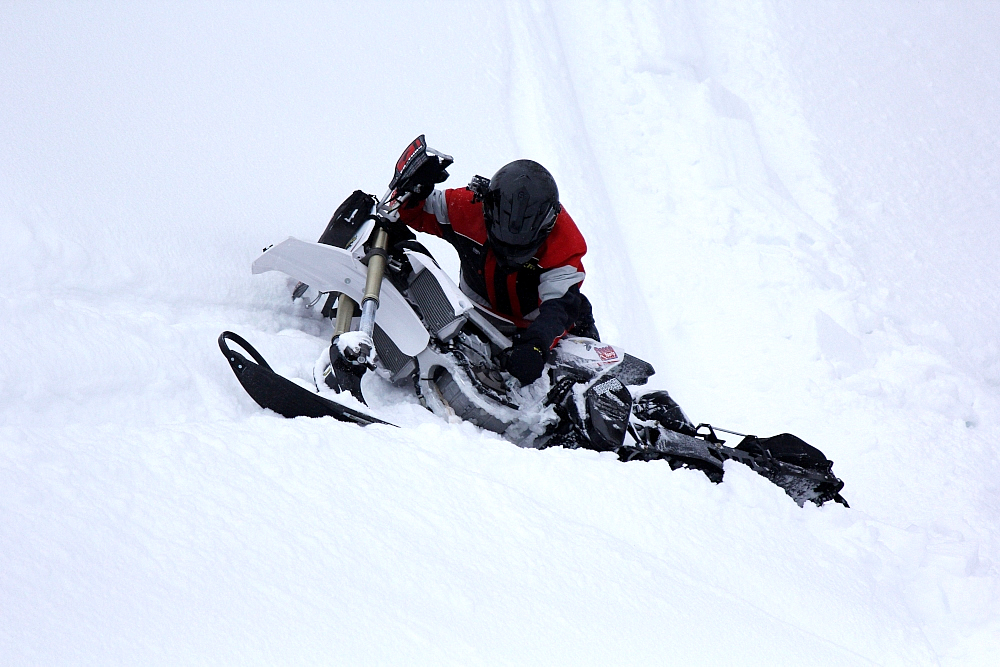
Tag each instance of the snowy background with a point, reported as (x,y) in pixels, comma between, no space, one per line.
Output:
(792,213)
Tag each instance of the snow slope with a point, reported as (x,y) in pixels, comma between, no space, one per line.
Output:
(791,213)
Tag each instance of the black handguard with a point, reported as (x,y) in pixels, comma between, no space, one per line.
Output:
(417,171)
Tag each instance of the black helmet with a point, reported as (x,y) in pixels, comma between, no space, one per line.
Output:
(520,208)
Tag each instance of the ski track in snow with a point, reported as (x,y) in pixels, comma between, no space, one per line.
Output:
(790,209)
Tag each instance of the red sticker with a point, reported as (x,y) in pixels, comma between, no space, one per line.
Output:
(408,153)
(606,353)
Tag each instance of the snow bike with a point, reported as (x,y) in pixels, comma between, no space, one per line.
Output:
(431,336)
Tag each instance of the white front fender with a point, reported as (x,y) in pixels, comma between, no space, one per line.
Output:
(330,269)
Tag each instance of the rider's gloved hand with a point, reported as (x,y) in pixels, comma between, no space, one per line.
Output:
(418,193)
(526,360)
(419,186)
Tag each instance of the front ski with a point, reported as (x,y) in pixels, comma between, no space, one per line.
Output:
(280,394)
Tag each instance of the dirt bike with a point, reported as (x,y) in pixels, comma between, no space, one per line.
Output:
(431,336)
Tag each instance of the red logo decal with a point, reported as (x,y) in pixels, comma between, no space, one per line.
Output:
(408,153)
(606,353)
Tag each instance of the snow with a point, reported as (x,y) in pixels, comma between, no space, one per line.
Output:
(791,210)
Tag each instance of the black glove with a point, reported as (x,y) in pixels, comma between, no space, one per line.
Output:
(422,182)
(418,193)
(525,361)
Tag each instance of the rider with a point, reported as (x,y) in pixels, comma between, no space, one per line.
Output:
(520,254)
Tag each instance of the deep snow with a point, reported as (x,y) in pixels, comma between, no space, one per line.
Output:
(791,213)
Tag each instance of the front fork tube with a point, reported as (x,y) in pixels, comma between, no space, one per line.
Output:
(373,285)
(369,303)
(345,313)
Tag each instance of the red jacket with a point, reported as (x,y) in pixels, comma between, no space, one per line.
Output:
(541,296)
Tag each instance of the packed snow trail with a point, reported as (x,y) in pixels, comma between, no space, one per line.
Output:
(742,197)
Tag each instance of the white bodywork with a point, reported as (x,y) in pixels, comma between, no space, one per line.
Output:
(588,354)
(330,269)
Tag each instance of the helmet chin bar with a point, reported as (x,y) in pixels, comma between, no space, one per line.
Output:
(510,256)
(511,262)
